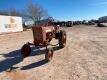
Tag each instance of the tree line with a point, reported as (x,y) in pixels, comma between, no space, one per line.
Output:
(32,12)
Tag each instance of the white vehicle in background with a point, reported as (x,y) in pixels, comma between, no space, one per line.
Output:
(10,24)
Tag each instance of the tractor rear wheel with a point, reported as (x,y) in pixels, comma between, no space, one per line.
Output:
(49,54)
(25,50)
(62,39)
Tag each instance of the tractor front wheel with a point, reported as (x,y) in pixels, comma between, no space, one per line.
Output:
(62,39)
(25,50)
(49,55)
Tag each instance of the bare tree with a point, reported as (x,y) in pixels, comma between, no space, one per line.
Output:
(36,13)
(14,12)
(3,12)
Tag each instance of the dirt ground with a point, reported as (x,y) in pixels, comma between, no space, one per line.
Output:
(83,58)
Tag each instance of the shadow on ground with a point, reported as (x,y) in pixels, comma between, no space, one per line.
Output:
(15,57)
(33,65)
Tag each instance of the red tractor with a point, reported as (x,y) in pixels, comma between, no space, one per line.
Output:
(42,37)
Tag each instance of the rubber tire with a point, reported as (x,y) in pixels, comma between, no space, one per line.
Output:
(25,50)
(62,39)
(49,54)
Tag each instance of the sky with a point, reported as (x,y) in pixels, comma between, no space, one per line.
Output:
(64,9)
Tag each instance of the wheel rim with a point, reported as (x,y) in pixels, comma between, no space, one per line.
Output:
(49,55)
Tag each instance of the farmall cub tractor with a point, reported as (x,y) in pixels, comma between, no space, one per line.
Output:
(43,35)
